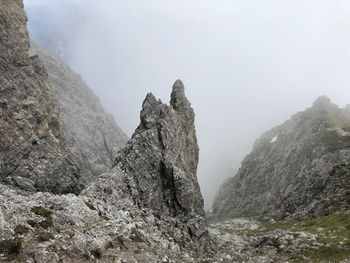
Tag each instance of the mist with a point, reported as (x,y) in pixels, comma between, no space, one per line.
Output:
(246,65)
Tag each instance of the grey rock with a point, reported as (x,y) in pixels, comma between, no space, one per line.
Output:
(162,156)
(44,256)
(296,170)
(32,145)
(157,168)
(92,135)
(118,213)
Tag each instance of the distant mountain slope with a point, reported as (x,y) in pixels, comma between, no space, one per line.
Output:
(298,169)
(33,152)
(91,134)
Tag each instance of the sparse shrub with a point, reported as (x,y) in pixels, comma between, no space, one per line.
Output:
(48,222)
(41,211)
(20,230)
(135,236)
(97,253)
(32,223)
(11,246)
(120,241)
(44,236)
(275,242)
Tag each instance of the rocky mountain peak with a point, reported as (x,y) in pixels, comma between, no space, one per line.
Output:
(322,103)
(178,99)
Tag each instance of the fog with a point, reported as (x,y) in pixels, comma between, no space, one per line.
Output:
(247,65)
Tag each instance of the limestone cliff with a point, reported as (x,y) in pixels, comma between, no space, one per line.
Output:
(33,152)
(92,135)
(298,169)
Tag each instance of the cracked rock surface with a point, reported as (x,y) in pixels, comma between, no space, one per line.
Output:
(33,151)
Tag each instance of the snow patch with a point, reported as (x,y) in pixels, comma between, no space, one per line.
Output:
(274,139)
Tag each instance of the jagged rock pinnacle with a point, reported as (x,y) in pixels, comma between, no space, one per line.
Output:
(149,101)
(178,99)
(161,162)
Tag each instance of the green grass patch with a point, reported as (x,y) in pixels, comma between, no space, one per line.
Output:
(333,233)
(338,222)
(331,253)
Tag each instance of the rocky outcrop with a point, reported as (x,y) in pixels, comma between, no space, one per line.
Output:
(298,169)
(148,208)
(92,135)
(157,170)
(33,152)
(160,163)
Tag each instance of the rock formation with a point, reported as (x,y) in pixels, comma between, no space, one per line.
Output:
(147,208)
(149,202)
(92,135)
(33,152)
(298,169)
(157,171)
(160,162)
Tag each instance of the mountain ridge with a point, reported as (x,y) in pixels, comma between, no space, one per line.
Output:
(289,173)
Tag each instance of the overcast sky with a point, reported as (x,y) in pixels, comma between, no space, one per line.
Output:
(247,65)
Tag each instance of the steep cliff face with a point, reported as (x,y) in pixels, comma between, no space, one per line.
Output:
(33,153)
(92,135)
(298,169)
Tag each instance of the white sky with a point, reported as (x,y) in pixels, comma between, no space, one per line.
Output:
(247,64)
